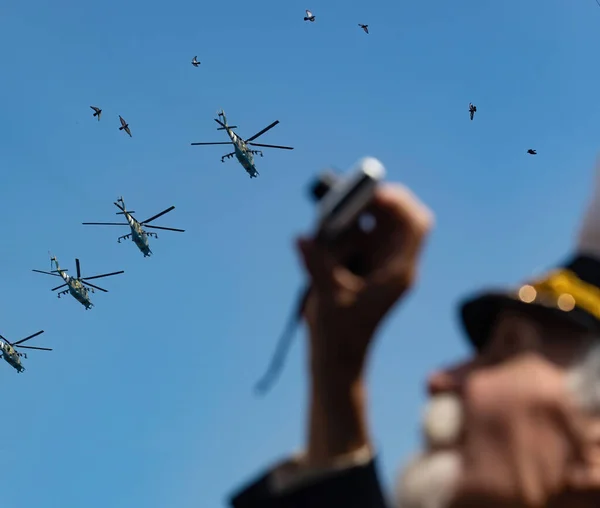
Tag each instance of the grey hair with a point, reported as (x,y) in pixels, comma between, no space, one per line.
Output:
(583,379)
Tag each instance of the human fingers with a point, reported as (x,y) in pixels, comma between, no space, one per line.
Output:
(395,206)
(326,272)
(402,223)
(400,219)
(397,248)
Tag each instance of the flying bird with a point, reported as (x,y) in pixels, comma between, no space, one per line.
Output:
(472,110)
(309,16)
(124,126)
(98,111)
(364,27)
(531,152)
(195,62)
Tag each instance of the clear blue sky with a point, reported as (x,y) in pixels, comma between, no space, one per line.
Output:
(146,400)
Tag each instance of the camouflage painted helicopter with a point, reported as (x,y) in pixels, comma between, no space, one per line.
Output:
(10,354)
(241,151)
(137,235)
(77,286)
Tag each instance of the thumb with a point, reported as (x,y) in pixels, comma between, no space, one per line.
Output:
(326,272)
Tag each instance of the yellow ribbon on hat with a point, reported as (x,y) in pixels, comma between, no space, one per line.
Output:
(565,290)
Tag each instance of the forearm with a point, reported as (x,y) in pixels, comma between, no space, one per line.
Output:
(337,423)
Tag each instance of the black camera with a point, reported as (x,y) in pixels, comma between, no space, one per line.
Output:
(342,199)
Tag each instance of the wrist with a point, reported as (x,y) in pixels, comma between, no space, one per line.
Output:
(338,423)
(338,362)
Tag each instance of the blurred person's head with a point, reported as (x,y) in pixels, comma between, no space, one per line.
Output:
(519,423)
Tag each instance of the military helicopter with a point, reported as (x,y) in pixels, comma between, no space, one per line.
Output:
(77,286)
(12,356)
(137,235)
(243,154)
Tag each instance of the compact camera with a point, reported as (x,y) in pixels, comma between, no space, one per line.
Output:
(342,199)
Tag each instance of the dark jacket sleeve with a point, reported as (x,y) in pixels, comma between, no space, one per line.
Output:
(355,487)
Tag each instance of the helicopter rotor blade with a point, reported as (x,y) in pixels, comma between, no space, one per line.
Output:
(27,338)
(119,206)
(223,126)
(58,287)
(95,287)
(78,268)
(273,146)
(260,133)
(47,273)
(166,229)
(104,224)
(154,217)
(215,143)
(35,347)
(5,339)
(103,275)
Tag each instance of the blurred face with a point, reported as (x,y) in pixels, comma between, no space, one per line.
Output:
(503,429)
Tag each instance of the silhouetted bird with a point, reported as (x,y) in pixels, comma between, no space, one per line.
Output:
(309,16)
(124,126)
(98,111)
(472,110)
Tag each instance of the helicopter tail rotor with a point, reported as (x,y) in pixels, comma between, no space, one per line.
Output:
(54,264)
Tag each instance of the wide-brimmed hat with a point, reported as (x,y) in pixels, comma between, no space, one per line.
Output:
(569,292)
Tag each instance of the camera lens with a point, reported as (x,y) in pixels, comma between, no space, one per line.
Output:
(322,185)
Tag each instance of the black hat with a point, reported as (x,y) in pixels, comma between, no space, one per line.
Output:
(570,292)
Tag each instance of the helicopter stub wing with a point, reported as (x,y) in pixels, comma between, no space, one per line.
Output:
(96,287)
(58,287)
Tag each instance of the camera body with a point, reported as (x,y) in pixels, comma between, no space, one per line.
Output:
(342,199)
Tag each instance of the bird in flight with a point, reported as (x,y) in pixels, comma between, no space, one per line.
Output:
(195,62)
(309,16)
(472,110)
(98,111)
(124,126)
(364,27)
(531,152)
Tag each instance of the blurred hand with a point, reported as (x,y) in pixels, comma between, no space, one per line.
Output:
(345,307)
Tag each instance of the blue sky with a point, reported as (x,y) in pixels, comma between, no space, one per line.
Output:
(146,400)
